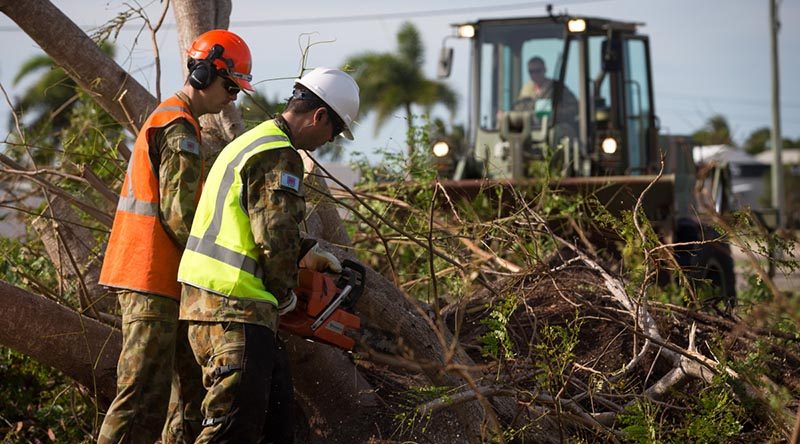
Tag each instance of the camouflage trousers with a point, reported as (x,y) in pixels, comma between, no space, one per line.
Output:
(156,373)
(246,373)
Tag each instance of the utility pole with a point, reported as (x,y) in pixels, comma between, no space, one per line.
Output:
(777,164)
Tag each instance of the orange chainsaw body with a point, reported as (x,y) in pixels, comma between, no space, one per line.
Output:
(315,293)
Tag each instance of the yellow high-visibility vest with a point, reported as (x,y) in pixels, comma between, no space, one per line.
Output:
(221,255)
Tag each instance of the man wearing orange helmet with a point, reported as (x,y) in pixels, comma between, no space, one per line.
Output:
(157,203)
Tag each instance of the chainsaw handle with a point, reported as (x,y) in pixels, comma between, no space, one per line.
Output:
(306,244)
(354,275)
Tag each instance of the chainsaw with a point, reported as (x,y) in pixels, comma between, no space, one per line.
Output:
(324,306)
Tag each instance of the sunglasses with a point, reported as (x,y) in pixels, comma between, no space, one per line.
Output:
(536,71)
(230,86)
(336,121)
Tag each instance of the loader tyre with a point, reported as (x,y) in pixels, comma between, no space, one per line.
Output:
(707,265)
(717,271)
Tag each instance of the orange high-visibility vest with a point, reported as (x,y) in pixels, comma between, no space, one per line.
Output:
(140,255)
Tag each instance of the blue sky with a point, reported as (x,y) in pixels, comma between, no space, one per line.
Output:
(709,56)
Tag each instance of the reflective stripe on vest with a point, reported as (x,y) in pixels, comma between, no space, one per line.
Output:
(129,202)
(221,255)
(140,255)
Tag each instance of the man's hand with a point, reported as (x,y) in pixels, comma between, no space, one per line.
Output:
(288,305)
(318,259)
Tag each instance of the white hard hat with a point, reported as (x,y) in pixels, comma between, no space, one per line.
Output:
(338,90)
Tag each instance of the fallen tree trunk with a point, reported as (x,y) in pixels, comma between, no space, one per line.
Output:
(78,346)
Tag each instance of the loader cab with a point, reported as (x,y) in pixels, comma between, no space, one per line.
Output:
(572,93)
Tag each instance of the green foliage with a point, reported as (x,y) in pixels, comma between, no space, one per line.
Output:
(752,237)
(40,404)
(496,341)
(554,353)
(755,292)
(53,91)
(556,204)
(715,418)
(394,166)
(760,140)
(631,245)
(757,141)
(427,393)
(711,416)
(91,140)
(26,265)
(640,421)
(716,131)
(672,293)
(398,176)
(409,45)
(410,415)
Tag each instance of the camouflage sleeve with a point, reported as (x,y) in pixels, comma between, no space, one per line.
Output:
(179,173)
(276,205)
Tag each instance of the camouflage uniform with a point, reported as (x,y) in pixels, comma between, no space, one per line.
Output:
(148,331)
(153,339)
(222,330)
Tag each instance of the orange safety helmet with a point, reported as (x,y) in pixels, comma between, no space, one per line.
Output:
(233,60)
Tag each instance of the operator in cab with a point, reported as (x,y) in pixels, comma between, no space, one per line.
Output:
(537,94)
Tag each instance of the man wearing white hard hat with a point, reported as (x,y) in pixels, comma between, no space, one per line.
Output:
(242,259)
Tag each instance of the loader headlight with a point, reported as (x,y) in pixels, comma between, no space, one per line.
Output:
(576,25)
(609,145)
(466,31)
(441,149)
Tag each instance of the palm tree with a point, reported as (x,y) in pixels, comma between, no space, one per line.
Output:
(758,141)
(58,114)
(50,98)
(48,93)
(391,81)
(716,131)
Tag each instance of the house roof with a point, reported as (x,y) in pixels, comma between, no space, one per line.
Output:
(788,156)
(723,154)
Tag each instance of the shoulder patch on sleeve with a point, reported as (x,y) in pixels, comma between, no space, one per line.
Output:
(289,180)
(189,146)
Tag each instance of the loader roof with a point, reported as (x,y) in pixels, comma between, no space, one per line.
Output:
(593,24)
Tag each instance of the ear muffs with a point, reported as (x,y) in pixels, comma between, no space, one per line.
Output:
(203,72)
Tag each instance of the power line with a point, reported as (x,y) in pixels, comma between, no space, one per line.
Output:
(733,117)
(413,14)
(735,100)
(369,17)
